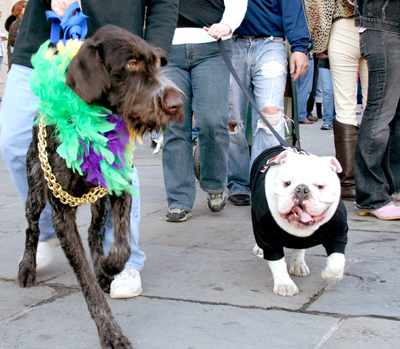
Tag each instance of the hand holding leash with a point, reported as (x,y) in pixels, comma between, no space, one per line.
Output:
(73,22)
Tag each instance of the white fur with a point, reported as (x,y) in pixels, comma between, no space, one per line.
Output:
(298,265)
(160,144)
(333,272)
(283,284)
(308,170)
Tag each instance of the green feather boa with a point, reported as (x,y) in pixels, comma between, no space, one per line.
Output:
(78,125)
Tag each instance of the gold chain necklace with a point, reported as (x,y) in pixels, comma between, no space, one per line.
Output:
(56,188)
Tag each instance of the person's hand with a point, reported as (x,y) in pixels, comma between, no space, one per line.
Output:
(298,64)
(323,54)
(59,6)
(218,30)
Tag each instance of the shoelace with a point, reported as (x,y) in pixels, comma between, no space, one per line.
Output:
(127,274)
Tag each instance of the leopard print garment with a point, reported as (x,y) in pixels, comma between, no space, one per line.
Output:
(321,14)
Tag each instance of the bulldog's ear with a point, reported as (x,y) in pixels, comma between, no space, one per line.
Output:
(335,165)
(282,157)
(87,75)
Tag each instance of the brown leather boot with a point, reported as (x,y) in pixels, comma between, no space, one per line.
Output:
(345,138)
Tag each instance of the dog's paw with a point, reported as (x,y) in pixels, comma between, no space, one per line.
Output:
(286,289)
(258,251)
(26,276)
(113,338)
(332,276)
(334,270)
(298,268)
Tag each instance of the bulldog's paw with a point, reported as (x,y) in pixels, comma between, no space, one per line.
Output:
(334,270)
(258,251)
(286,289)
(298,268)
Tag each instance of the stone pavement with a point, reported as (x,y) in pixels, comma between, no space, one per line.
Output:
(202,286)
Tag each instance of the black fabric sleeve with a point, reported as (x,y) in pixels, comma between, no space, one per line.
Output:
(338,224)
(161,20)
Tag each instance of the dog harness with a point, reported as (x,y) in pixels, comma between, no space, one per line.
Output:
(93,141)
(270,236)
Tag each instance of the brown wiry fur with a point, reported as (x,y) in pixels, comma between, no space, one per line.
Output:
(99,74)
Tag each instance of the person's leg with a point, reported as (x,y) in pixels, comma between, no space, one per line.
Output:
(17,114)
(303,89)
(179,180)
(377,153)
(313,95)
(127,284)
(269,79)
(327,93)
(210,82)
(344,59)
(239,155)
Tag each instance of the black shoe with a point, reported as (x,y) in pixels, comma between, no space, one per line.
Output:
(154,143)
(240,200)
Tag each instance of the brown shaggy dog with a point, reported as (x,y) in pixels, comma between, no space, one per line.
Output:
(115,69)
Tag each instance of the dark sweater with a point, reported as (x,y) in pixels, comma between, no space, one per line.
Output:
(162,16)
(271,237)
(204,11)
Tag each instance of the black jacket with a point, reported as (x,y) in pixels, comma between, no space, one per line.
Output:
(162,16)
(271,237)
(378,14)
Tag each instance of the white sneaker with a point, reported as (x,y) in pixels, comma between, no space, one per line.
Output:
(45,252)
(127,284)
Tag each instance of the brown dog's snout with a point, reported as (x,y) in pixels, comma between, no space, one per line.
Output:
(173,102)
(302,192)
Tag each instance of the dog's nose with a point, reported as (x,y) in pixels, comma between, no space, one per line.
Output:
(173,102)
(302,192)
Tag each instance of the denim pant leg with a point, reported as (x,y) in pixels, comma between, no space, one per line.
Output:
(210,84)
(377,162)
(177,155)
(16,119)
(136,260)
(327,95)
(239,155)
(303,89)
(268,75)
(200,72)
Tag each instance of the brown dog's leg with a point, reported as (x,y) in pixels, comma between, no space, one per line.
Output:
(35,204)
(100,211)
(120,250)
(110,333)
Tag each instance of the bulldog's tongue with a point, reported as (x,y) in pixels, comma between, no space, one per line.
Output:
(303,215)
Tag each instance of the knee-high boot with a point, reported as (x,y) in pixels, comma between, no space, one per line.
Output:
(345,138)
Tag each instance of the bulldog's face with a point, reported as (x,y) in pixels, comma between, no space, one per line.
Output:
(304,192)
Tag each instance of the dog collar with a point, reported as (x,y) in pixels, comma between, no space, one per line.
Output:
(93,141)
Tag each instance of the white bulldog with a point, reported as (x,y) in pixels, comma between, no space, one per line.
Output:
(296,204)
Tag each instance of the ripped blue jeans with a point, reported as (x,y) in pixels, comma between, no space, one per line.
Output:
(261,64)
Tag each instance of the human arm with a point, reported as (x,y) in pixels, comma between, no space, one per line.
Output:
(12,34)
(232,17)
(161,20)
(298,64)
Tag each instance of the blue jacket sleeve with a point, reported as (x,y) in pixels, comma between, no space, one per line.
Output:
(295,25)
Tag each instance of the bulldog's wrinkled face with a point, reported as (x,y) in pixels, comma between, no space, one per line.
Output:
(305,191)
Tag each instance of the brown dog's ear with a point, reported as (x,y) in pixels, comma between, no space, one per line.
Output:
(87,75)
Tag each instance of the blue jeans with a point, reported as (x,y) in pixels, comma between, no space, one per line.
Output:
(16,118)
(261,65)
(201,73)
(377,161)
(327,95)
(303,88)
